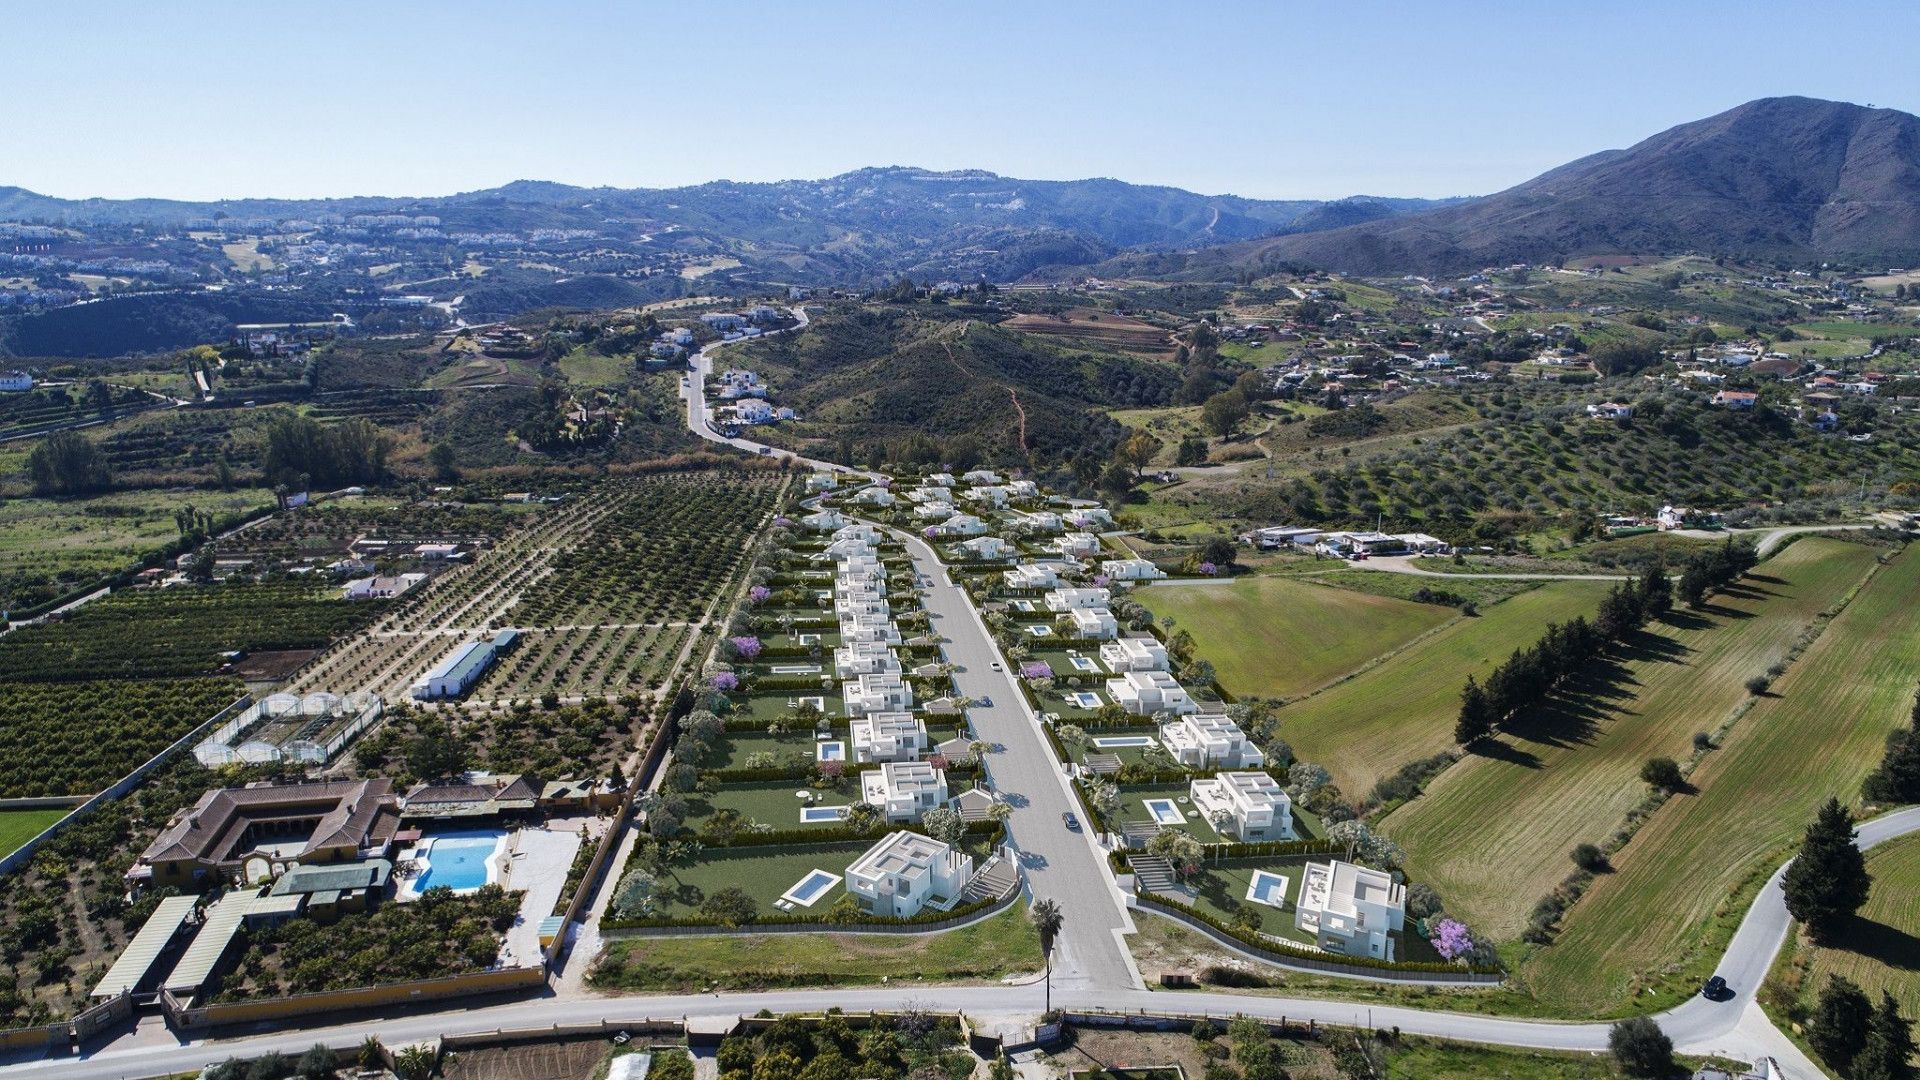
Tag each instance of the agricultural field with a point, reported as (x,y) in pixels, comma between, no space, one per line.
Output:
(590,661)
(1270,637)
(1000,946)
(658,555)
(1659,920)
(76,738)
(1345,726)
(1493,832)
(49,547)
(179,632)
(1086,325)
(1879,950)
(592,739)
(324,530)
(19,826)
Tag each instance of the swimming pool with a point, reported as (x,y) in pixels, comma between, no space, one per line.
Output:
(1085,699)
(810,888)
(1164,812)
(1268,888)
(1085,663)
(1038,630)
(814,815)
(1118,742)
(796,669)
(461,861)
(830,751)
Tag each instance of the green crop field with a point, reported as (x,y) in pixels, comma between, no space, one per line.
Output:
(1404,708)
(19,826)
(1270,637)
(1881,949)
(1664,915)
(1492,833)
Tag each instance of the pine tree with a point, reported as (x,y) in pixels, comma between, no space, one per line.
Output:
(1828,880)
(1839,1024)
(1476,714)
(1888,1051)
(1656,592)
(1897,780)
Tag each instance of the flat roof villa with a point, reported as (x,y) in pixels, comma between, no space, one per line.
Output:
(1350,909)
(1131,570)
(868,627)
(1077,545)
(1133,654)
(903,790)
(888,736)
(905,872)
(1094,624)
(1200,740)
(330,821)
(877,693)
(1251,806)
(1032,576)
(1144,693)
(1076,599)
(864,658)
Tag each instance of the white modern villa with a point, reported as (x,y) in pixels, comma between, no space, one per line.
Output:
(903,790)
(1201,741)
(1350,909)
(1134,654)
(1076,599)
(867,694)
(1144,693)
(889,736)
(1131,570)
(864,658)
(1032,576)
(1094,624)
(905,872)
(1249,806)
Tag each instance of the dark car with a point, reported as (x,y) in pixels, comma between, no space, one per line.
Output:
(1073,823)
(1715,990)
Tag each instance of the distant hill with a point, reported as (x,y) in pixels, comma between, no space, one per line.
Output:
(856,227)
(1790,177)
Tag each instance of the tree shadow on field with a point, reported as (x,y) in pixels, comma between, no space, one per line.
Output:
(1572,716)
(1684,619)
(1746,589)
(1889,945)
(1652,648)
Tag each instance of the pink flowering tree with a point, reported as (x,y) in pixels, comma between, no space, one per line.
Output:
(833,770)
(746,647)
(930,531)
(937,761)
(1209,569)
(783,522)
(726,682)
(1452,939)
(1036,669)
(759,594)
(1101,581)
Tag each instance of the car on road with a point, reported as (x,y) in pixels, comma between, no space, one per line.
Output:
(1715,989)
(996,666)
(766,449)
(1072,823)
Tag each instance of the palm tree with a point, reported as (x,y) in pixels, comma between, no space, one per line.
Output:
(1046,918)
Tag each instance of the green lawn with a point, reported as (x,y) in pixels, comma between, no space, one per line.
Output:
(1403,709)
(764,873)
(733,748)
(1492,833)
(592,369)
(1271,637)
(772,804)
(1679,888)
(19,826)
(990,950)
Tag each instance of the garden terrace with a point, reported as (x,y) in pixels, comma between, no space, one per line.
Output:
(661,553)
(78,738)
(176,632)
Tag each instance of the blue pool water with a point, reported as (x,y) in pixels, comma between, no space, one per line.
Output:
(1267,888)
(1164,811)
(458,861)
(1110,742)
(813,814)
(812,886)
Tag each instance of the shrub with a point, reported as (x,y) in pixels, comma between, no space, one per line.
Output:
(1590,858)
(1641,1048)
(1663,773)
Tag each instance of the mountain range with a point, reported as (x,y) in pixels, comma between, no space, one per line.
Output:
(1788,178)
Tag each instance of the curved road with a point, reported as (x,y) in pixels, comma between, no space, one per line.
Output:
(1093,969)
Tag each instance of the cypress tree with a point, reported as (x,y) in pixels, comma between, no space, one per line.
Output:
(1476,714)
(1828,880)
(1656,592)
(1888,1051)
(1838,1027)
(1897,780)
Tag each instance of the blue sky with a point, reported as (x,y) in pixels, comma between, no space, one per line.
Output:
(1313,100)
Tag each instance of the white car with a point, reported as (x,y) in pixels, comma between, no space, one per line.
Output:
(996,666)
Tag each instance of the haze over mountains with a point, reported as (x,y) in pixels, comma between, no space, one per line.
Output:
(1793,178)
